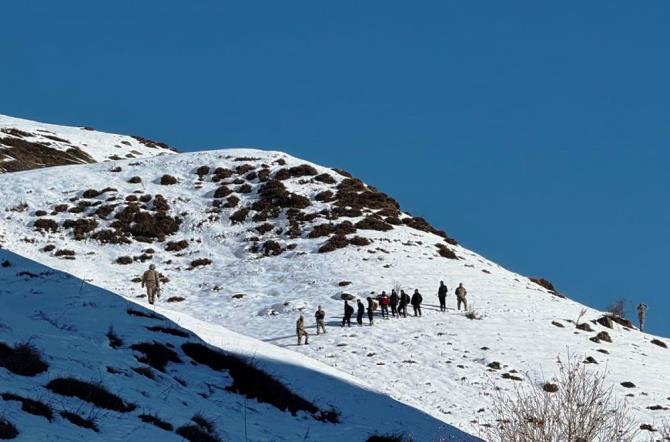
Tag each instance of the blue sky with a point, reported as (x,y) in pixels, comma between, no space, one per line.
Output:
(536,134)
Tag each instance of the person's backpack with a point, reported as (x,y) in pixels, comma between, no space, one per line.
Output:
(374,305)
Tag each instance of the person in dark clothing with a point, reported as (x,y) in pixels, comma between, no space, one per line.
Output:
(393,302)
(348,311)
(360,313)
(402,306)
(442,296)
(384,303)
(416,300)
(371,309)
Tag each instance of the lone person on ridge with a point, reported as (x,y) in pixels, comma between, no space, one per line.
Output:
(641,314)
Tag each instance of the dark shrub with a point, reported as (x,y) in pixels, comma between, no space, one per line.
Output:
(393,220)
(244,188)
(87,392)
(202,170)
(334,242)
(272,248)
(124,260)
(114,340)
(30,406)
(280,161)
(169,331)
(135,180)
(193,433)
(359,241)
(201,262)
(544,283)
(325,178)
(104,211)
(342,172)
(60,208)
(145,371)
(160,203)
(244,168)
(240,215)
(176,246)
(145,198)
(253,382)
(7,429)
(419,223)
(80,226)
(222,192)
(40,213)
(302,170)
(64,252)
(251,176)
(324,196)
(395,437)
(48,248)
(231,202)
(79,421)
(90,193)
(110,237)
(346,212)
(175,299)
(321,230)
(156,225)
(345,228)
(282,174)
(264,228)
(132,198)
(47,224)
(141,314)
(372,223)
(445,251)
(263,175)
(659,343)
(155,420)
(116,169)
(168,180)
(155,354)
(221,174)
(344,283)
(22,359)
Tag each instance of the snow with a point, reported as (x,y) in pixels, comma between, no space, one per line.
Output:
(436,363)
(100,146)
(67,320)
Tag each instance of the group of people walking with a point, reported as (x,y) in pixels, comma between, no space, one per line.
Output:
(396,302)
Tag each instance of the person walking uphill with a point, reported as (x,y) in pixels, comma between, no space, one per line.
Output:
(417,299)
(151,280)
(641,314)
(360,313)
(348,311)
(320,316)
(442,296)
(393,301)
(460,297)
(300,330)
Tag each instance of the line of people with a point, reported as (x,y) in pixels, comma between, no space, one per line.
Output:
(397,302)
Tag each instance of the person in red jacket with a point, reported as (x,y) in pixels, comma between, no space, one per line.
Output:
(384,303)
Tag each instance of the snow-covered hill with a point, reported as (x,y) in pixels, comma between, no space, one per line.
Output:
(248,239)
(27,145)
(105,369)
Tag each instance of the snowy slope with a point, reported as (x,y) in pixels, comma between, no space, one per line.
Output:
(68,321)
(256,272)
(26,145)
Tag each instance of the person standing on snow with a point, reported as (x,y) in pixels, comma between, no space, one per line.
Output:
(404,301)
(348,311)
(360,313)
(393,301)
(384,303)
(371,309)
(151,280)
(300,330)
(417,299)
(460,297)
(442,296)
(641,314)
(320,316)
